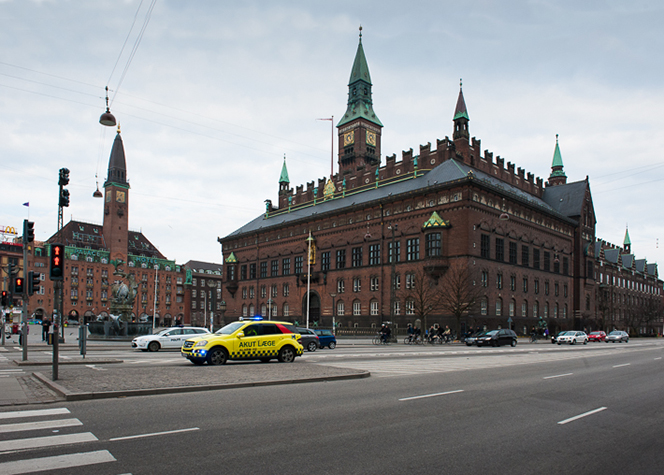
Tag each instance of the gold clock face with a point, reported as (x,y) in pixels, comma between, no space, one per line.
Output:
(371,138)
(349,137)
(120,196)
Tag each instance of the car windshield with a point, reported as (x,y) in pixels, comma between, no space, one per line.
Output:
(615,333)
(491,333)
(569,333)
(324,332)
(595,333)
(230,328)
(163,332)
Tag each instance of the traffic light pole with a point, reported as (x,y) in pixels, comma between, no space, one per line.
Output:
(24,312)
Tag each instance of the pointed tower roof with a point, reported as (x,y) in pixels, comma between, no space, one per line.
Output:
(627,241)
(117,165)
(284,173)
(360,104)
(460,110)
(557,176)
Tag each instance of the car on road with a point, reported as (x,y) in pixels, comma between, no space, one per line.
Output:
(472,339)
(617,336)
(572,337)
(326,338)
(309,338)
(172,337)
(597,336)
(497,338)
(554,338)
(252,339)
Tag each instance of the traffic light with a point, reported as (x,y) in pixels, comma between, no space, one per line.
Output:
(28,231)
(34,282)
(18,285)
(5,298)
(64,177)
(64,198)
(57,261)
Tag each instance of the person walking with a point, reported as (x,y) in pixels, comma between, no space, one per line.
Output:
(46,324)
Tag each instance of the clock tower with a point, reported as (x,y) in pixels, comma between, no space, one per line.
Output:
(359,128)
(116,202)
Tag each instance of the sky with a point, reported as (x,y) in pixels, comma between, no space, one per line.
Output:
(211,96)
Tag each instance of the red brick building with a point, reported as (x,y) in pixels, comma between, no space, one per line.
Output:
(529,245)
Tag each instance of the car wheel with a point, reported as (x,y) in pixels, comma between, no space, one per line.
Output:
(585,342)
(153,346)
(469,344)
(217,356)
(197,362)
(287,354)
(513,343)
(559,343)
(494,343)
(312,346)
(332,345)
(573,342)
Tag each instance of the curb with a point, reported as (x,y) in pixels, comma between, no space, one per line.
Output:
(66,362)
(73,396)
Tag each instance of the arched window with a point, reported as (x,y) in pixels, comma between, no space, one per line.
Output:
(341,308)
(499,307)
(286,311)
(524,308)
(263,310)
(357,308)
(512,308)
(251,310)
(484,306)
(374,307)
(536,309)
(410,307)
(244,310)
(555,311)
(546,309)
(397,307)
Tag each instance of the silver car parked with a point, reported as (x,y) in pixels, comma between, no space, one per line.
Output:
(617,336)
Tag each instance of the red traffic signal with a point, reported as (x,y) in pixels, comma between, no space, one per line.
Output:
(57,271)
(5,298)
(18,285)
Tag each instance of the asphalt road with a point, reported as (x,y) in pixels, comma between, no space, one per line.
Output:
(542,409)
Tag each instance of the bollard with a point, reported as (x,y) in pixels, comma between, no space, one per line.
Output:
(83,339)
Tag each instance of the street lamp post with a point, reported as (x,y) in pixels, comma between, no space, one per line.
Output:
(393,260)
(222,309)
(270,302)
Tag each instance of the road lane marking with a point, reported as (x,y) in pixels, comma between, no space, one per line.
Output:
(658,358)
(56,462)
(34,413)
(594,411)
(621,365)
(431,395)
(558,376)
(139,436)
(5,428)
(48,441)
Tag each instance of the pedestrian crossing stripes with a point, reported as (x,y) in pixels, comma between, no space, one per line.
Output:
(14,423)
(6,373)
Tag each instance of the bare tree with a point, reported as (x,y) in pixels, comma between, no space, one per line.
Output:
(458,291)
(420,294)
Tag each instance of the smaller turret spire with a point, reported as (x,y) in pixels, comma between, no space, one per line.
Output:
(461,118)
(627,242)
(284,173)
(557,176)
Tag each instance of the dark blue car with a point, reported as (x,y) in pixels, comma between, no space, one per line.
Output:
(326,338)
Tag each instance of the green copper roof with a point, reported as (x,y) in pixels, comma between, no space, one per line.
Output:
(557,164)
(231,259)
(627,241)
(460,110)
(284,174)
(435,221)
(360,104)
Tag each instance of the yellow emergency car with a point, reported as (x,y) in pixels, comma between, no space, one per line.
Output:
(253,339)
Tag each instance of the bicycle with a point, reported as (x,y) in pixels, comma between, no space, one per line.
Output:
(533,338)
(379,339)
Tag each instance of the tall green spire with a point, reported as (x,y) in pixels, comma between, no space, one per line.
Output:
(627,241)
(360,104)
(557,176)
(284,173)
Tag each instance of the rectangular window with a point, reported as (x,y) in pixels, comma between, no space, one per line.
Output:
(299,262)
(499,281)
(263,292)
(325,261)
(433,245)
(357,308)
(512,255)
(356,257)
(546,287)
(374,254)
(252,293)
(252,271)
(565,290)
(244,292)
(243,272)
(485,246)
(341,258)
(500,249)
(484,306)
(410,281)
(263,268)
(397,282)
(513,283)
(410,307)
(525,284)
(397,307)
(285,266)
(537,286)
(274,268)
(374,307)
(485,278)
(341,286)
(413,249)
(536,258)
(547,261)
(556,265)
(374,283)
(525,256)
(286,290)
(565,266)
(555,289)
(499,307)
(357,284)
(397,251)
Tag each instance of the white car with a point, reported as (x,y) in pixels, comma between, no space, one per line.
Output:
(169,338)
(572,337)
